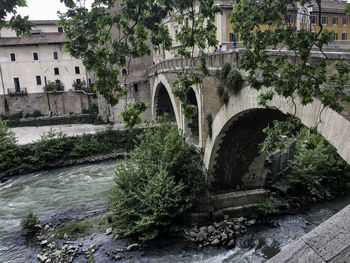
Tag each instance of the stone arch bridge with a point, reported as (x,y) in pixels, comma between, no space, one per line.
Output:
(231,152)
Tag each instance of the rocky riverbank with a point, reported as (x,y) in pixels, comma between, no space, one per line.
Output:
(102,238)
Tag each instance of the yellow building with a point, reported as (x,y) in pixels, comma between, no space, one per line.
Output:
(333,19)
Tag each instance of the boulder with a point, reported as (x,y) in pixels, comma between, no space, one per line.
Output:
(215,242)
(109,231)
(132,246)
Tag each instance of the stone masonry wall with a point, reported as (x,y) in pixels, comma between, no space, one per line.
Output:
(60,103)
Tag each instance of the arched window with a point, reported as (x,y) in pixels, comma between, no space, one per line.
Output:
(124,72)
(303,16)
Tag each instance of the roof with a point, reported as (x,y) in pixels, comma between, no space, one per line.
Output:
(43,38)
(40,22)
(330,6)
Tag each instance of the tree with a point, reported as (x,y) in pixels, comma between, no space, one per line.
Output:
(263,25)
(111,33)
(17,22)
(157,184)
(8,147)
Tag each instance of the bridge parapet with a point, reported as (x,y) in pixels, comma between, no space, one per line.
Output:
(216,60)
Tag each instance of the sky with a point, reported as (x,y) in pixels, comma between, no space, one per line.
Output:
(43,9)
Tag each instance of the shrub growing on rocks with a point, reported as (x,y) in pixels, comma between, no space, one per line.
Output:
(157,184)
(29,222)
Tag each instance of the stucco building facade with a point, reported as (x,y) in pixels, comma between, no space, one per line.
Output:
(28,63)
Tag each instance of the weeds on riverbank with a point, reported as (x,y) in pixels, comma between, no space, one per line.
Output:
(55,147)
(8,147)
(30,222)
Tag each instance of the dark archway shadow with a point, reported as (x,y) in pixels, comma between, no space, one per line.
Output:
(163,104)
(239,164)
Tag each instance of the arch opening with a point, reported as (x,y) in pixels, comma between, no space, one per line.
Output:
(163,103)
(238,164)
(192,124)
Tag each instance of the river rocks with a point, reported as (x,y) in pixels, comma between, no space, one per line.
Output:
(220,233)
(44,243)
(201,236)
(108,231)
(41,258)
(132,247)
(215,242)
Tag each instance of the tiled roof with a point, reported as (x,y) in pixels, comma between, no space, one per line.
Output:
(43,38)
(330,6)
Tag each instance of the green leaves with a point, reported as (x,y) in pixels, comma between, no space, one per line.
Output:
(157,184)
(109,35)
(132,115)
(263,25)
(8,147)
(230,80)
(19,24)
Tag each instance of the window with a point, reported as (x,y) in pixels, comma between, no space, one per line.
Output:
(335,36)
(58,81)
(17,85)
(13,56)
(233,38)
(345,21)
(344,36)
(78,81)
(335,20)
(57,71)
(35,56)
(324,20)
(136,87)
(55,55)
(60,29)
(313,20)
(38,80)
(77,70)
(124,72)
(290,19)
(303,16)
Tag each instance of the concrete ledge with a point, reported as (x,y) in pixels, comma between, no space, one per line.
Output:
(329,242)
(240,198)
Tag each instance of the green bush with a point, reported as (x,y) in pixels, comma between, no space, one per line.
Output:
(317,164)
(234,81)
(16,116)
(157,184)
(52,146)
(8,147)
(268,207)
(29,222)
(87,145)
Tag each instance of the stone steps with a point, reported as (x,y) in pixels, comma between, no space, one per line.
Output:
(232,204)
(236,204)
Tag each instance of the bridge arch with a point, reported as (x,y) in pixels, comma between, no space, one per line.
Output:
(192,126)
(244,107)
(163,100)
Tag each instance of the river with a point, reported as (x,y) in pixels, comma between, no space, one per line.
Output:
(77,191)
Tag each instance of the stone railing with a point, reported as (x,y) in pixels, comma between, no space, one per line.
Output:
(216,60)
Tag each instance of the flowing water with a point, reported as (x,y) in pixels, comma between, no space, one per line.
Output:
(81,190)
